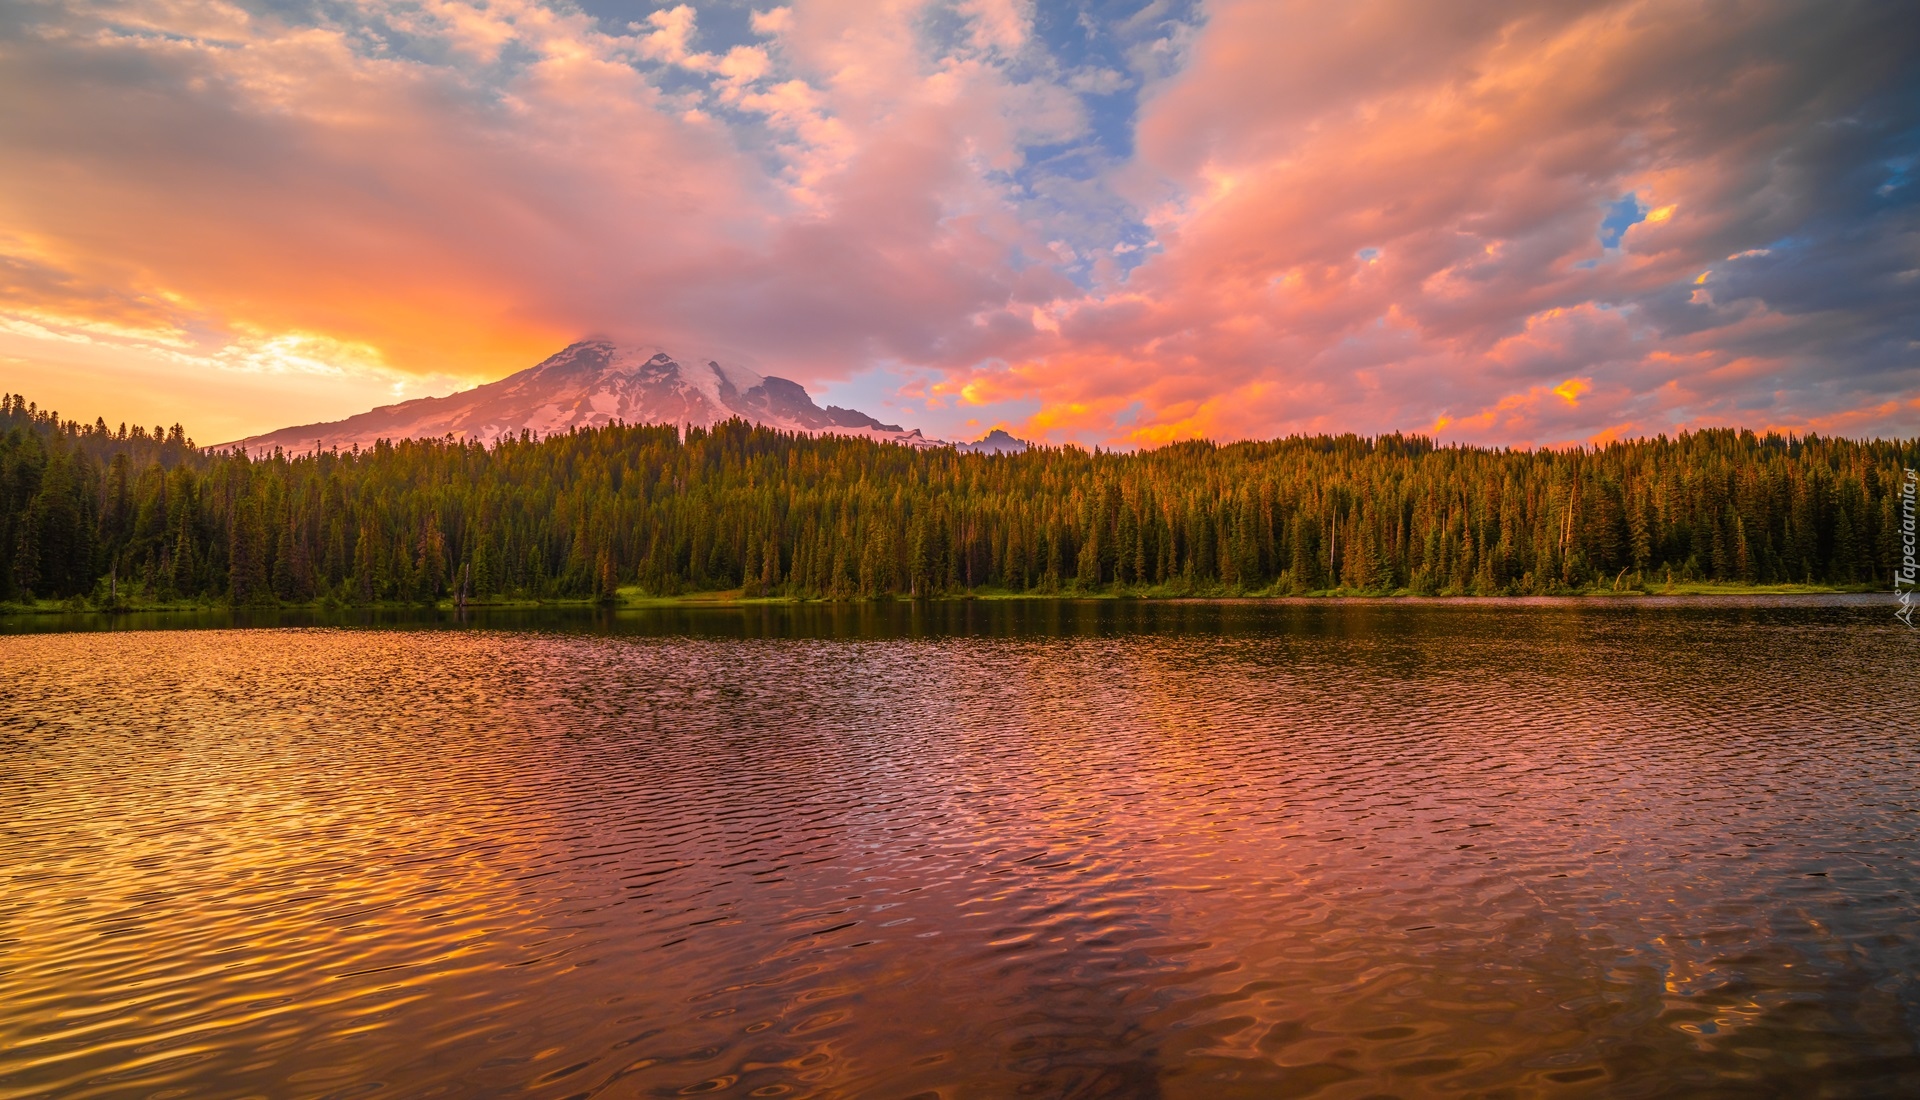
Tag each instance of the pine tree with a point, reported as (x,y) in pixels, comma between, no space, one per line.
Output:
(247,555)
(84,509)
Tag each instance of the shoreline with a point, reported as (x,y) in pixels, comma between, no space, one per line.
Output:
(630,599)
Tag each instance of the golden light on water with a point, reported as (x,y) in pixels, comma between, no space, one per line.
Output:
(1190,851)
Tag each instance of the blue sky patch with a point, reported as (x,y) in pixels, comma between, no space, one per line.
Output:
(1621,216)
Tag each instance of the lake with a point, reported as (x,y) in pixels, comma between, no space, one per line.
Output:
(1105,849)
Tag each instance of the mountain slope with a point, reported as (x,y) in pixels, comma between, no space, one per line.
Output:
(586,385)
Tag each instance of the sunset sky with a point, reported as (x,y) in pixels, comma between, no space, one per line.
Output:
(1120,223)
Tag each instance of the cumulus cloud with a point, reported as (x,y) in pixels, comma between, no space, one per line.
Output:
(1491,221)
(1385,215)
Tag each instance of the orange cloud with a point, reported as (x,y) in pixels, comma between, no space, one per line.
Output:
(1570,390)
(1375,216)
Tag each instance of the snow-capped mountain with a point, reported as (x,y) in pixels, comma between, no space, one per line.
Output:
(588,385)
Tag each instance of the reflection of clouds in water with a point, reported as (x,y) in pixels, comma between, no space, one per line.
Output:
(1101,850)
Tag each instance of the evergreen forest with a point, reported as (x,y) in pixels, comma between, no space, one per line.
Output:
(97,516)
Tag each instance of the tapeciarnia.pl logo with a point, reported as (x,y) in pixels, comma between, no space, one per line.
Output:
(1903,577)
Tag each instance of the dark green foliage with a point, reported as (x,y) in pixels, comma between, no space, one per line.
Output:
(84,510)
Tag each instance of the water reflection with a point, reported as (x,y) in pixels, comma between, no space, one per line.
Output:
(1094,850)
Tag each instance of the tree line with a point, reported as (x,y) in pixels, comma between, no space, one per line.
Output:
(144,515)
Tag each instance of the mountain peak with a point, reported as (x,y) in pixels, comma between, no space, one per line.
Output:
(589,384)
(996,442)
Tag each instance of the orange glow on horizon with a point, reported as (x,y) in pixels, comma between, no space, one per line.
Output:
(243,222)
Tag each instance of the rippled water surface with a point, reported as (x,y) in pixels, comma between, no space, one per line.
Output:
(1092,850)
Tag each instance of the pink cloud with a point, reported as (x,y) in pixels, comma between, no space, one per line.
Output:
(1367,217)
(1382,216)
